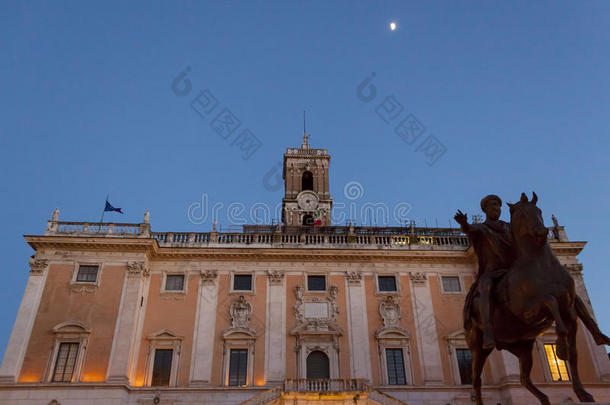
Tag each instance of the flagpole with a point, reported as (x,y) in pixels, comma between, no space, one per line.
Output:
(104,210)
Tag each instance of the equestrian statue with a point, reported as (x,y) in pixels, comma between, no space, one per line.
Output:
(521,290)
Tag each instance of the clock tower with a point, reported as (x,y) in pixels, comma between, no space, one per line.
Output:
(307,197)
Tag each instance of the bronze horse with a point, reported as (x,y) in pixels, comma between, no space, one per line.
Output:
(535,292)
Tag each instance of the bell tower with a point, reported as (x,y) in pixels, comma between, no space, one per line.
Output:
(306,199)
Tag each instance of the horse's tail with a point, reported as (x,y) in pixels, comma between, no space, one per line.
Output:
(587,319)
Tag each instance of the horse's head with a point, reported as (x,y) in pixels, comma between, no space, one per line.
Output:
(526,221)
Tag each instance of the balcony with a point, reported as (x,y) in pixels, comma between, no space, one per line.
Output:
(322,391)
(271,236)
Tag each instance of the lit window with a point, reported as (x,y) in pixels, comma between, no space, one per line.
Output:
(238,367)
(242,282)
(386,283)
(451,284)
(316,283)
(174,282)
(87,274)
(396,367)
(65,363)
(464,359)
(162,367)
(559,370)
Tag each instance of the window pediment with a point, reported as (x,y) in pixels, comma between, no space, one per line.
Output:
(456,336)
(392,333)
(239,333)
(72,327)
(164,334)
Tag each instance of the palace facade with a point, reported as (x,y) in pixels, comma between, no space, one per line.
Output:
(301,312)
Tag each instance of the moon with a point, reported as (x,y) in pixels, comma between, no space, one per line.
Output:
(393,26)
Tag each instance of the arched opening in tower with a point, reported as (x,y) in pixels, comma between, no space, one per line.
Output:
(308,220)
(307,181)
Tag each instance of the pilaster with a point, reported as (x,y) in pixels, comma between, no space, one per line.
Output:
(598,353)
(425,328)
(205,327)
(360,352)
(129,324)
(275,338)
(20,336)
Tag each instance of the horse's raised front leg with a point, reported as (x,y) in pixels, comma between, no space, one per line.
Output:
(582,395)
(560,327)
(524,352)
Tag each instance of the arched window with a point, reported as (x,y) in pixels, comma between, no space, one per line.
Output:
(68,353)
(317,365)
(307,181)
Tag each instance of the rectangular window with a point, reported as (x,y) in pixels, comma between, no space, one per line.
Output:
(87,274)
(386,283)
(464,359)
(316,283)
(65,363)
(162,367)
(396,367)
(242,282)
(238,367)
(559,370)
(174,282)
(451,284)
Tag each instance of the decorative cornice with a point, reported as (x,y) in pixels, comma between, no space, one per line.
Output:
(275,277)
(151,248)
(353,277)
(137,269)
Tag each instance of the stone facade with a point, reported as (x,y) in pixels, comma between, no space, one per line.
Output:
(128,313)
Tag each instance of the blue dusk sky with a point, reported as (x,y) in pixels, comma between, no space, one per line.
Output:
(463,99)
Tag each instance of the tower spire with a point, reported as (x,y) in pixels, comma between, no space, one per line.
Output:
(305,144)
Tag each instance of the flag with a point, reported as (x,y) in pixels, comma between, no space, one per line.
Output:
(317,218)
(109,207)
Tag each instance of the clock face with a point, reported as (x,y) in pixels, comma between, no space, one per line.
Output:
(307,200)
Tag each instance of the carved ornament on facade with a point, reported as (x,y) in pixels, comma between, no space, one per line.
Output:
(329,314)
(389,312)
(83,289)
(38,266)
(418,277)
(275,277)
(317,348)
(353,277)
(137,269)
(299,307)
(333,308)
(240,311)
(209,276)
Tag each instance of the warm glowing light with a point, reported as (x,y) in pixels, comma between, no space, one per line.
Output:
(93,378)
(28,378)
(139,382)
(559,370)
(393,26)
(260,382)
